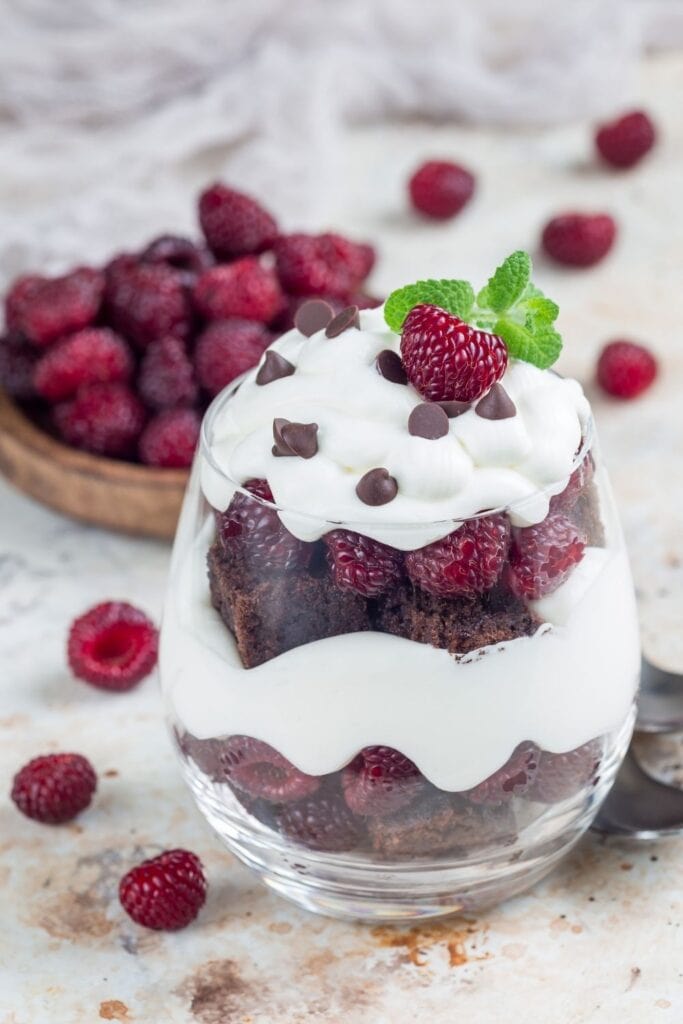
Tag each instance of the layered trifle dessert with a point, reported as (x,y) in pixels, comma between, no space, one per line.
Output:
(400,649)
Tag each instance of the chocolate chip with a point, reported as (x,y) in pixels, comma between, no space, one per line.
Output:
(453,409)
(428,420)
(295,438)
(496,405)
(390,367)
(377,487)
(274,367)
(313,316)
(347,318)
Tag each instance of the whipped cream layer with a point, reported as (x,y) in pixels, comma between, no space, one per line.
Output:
(516,463)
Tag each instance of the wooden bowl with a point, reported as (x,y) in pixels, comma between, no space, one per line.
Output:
(118,495)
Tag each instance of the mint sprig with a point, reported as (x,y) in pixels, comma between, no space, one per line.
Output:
(510,305)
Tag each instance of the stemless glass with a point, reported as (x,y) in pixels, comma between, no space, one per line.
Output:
(403,754)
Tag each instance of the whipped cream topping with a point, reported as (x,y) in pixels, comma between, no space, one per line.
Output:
(516,463)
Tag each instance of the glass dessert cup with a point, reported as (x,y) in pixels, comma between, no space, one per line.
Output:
(401,754)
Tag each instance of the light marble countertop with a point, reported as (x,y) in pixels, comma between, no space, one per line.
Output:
(601,939)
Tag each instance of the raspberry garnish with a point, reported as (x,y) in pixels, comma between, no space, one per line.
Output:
(227,348)
(513,779)
(166,376)
(562,775)
(44,309)
(440,188)
(542,557)
(244,289)
(234,224)
(579,239)
(361,564)
(166,892)
(17,366)
(380,780)
(321,822)
(465,563)
(259,533)
(626,140)
(179,254)
(93,355)
(146,301)
(103,418)
(259,770)
(578,481)
(54,788)
(321,265)
(447,359)
(626,369)
(113,646)
(170,438)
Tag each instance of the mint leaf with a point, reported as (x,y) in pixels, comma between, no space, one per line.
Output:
(456,297)
(507,285)
(535,341)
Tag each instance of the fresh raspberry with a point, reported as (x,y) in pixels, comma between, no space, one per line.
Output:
(113,646)
(466,562)
(94,355)
(542,557)
(440,188)
(578,481)
(234,224)
(180,254)
(319,265)
(513,779)
(103,418)
(244,289)
(257,769)
(626,369)
(226,349)
(170,438)
(563,775)
(166,892)
(446,359)
(361,564)
(44,309)
(626,140)
(379,781)
(358,257)
(321,822)
(579,239)
(146,301)
(258,532)
(54,788)
(17,366)
(166,378)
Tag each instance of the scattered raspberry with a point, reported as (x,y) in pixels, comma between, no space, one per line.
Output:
(578,481)
(542,557)
(170,438)
(379,781)
(146,301)
(257,769)
(446,359)
(466,562)
(166,892)
(44,309)
(626,369)
(258,531)
(316,265)
(93,355)
(440,188)
(358,257)
(244,288)
(54,788)
(180,254)
(234,224)
(513,779)
(361,564)
(17,366)
(166,378)
(321,822)
(560,776)
(626,140)
(113,646)
(226,349)
(103,418)
(579,239)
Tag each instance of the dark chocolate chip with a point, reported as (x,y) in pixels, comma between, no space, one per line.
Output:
(313,316)
(295,438)
(453,409)
(496,405)
(377,487)
(347,318)
(428,420)
(390,367)
(274,367)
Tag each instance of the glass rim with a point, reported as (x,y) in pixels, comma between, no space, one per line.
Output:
(204,450)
